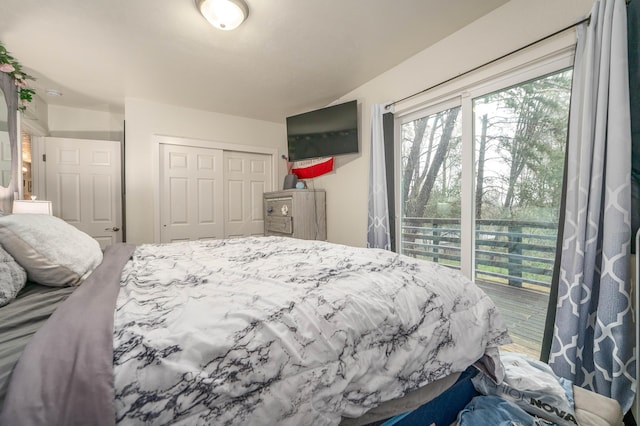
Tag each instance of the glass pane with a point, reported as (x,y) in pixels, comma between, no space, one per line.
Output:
(520,137)
(431,151)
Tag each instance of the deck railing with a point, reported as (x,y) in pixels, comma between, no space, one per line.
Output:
(511,252)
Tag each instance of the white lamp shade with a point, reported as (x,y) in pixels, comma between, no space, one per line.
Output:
(224,14)
(32,207)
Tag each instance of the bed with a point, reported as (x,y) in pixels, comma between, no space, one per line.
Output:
(257,330)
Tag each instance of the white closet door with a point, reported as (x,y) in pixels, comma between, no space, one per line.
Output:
(191,193)
(246,177)
(83,182)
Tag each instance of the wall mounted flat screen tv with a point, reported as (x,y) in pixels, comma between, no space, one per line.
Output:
(324,132)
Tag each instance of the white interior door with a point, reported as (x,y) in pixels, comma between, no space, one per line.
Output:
(246,177)
(83,181)
(191,193)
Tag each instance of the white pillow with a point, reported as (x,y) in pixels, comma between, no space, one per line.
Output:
(52,252)
(12,277)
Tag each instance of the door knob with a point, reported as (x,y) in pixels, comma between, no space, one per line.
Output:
(114,229)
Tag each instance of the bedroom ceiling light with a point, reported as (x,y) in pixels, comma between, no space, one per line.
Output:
(224,14)
(53,92)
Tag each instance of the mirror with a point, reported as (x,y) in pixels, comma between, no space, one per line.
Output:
(10,185)
(5,143)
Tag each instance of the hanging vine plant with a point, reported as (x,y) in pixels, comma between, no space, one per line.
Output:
(9,65)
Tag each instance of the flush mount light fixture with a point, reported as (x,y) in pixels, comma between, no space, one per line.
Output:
(224,14)
(53,92)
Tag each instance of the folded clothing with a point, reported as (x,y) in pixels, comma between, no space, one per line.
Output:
(533,386)
(493,410)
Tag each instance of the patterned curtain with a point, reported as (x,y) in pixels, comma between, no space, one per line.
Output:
(594,333)
(8,87)
(378,235)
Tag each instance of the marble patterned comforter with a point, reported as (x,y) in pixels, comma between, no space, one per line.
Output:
(270,330)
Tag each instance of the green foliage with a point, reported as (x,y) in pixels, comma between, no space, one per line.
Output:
(9,65)
(520,138)
(431,165)
(528,127)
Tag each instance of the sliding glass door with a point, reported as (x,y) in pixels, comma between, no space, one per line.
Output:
(430,190)
(515,137)
(519,138)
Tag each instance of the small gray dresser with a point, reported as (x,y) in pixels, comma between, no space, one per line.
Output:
(297,213)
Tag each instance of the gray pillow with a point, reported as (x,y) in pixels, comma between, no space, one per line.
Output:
(52,252)
(12,277)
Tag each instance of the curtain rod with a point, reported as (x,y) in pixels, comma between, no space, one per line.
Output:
(490,62)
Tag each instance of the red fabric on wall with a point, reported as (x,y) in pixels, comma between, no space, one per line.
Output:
(312,168)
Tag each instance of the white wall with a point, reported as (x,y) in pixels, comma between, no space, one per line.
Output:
(512,26)
(145,119)
(66,122)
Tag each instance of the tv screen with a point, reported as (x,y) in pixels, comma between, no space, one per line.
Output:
(324,132)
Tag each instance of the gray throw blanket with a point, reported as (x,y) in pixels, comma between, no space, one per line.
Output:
(77,341)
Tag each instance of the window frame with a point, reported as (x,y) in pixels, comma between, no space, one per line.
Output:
(520,68)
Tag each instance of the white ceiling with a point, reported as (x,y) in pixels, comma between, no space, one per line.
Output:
(290,56)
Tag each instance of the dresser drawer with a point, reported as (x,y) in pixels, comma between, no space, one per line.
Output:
(279,224)
(279,207)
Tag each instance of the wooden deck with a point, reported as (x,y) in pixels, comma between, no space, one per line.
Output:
(524,312)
